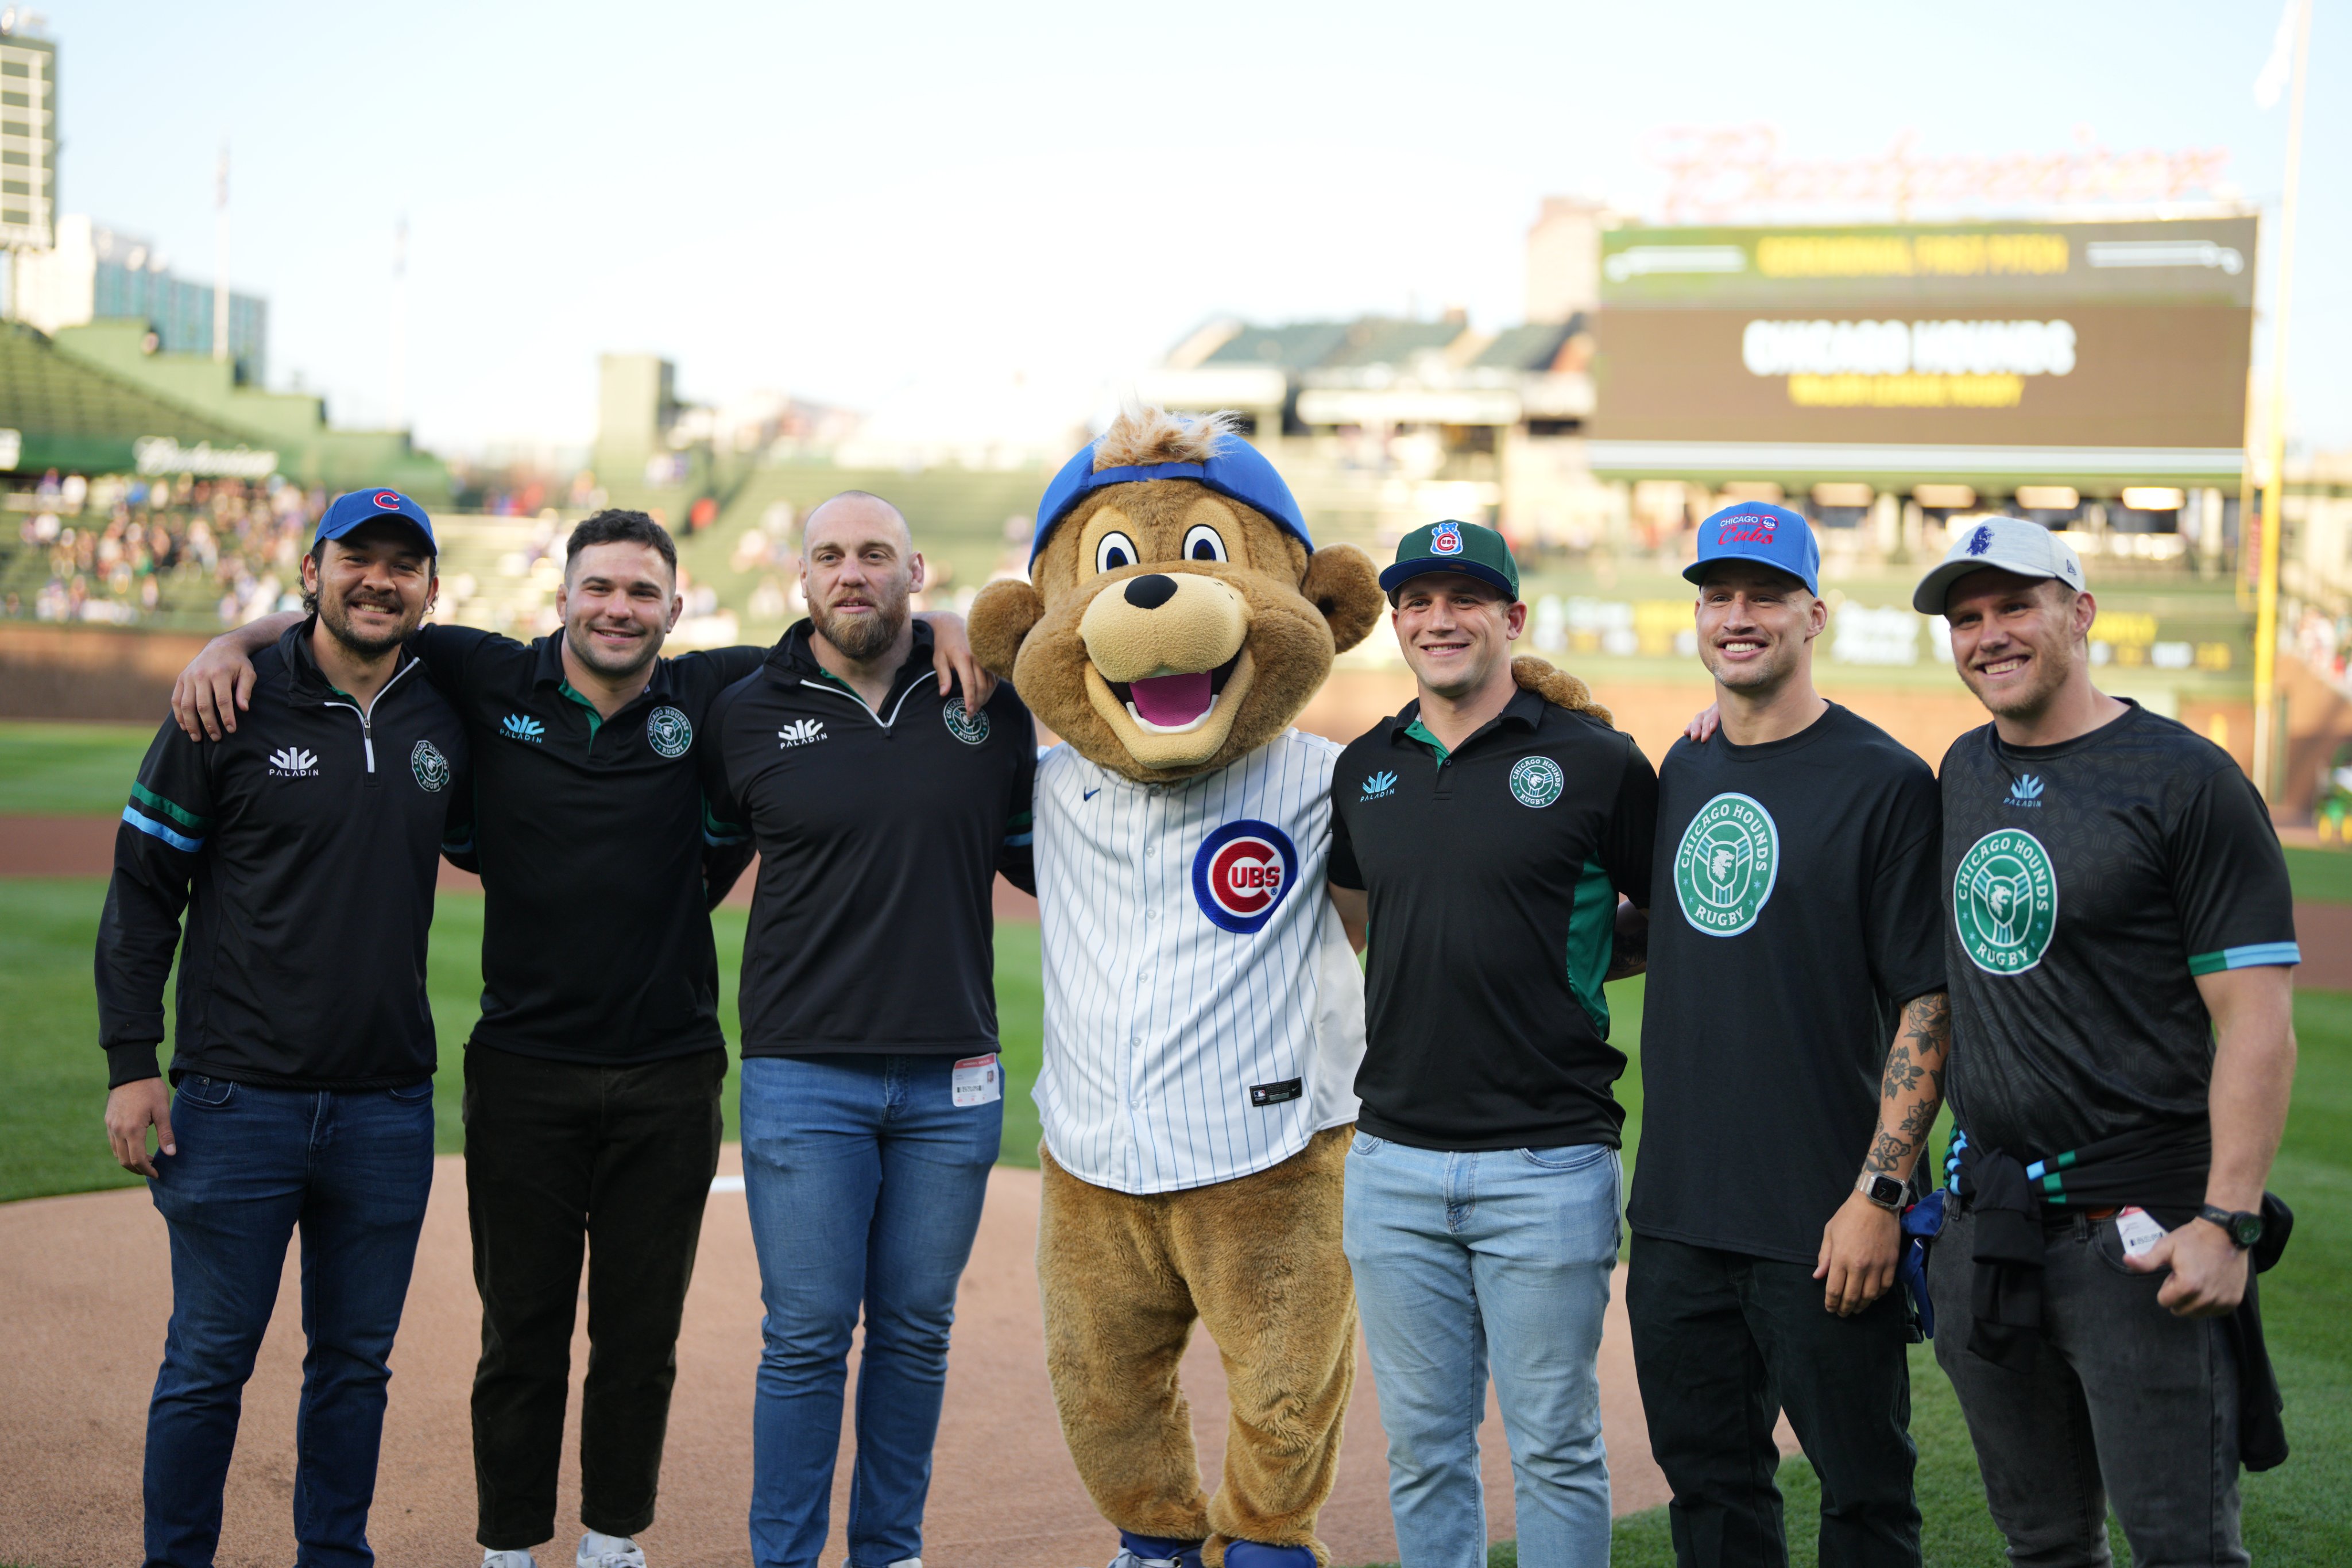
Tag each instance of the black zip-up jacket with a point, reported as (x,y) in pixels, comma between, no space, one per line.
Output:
(880,835)
(303,848)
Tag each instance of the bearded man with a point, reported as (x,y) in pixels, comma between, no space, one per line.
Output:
(872,1099)
(301,851)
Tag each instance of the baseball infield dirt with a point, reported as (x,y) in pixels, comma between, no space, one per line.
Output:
(84,1292)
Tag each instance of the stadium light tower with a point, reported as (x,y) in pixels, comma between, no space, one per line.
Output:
(220,257)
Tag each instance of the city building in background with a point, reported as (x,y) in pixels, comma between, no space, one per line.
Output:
(97,273)
(28,136)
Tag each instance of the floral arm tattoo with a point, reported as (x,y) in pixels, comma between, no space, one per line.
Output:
(1911,1088)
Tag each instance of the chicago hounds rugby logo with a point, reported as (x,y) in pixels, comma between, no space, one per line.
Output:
(1241,874)
(1537,781)
(972,728)
(2005,902)
(1727,865)
(432,768)
(667,732)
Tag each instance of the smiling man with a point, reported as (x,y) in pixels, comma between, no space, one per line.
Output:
(303,852)
(1487,834)
(2117,900)
(872,1097)
(592,1078)
(1780,1127)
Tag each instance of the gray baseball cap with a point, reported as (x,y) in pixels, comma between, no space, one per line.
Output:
(2012,544)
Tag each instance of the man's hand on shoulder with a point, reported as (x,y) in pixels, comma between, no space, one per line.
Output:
(1860,1246)
(952,657)
(1702,724)
(218,684)
(2209,1270)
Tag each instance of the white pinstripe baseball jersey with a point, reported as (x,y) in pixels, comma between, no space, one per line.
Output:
(1204,1016)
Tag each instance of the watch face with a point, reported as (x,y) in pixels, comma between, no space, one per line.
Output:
(1886,1189)
(2246,1228)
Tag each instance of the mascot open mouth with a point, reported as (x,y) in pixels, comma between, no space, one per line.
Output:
(1173,705)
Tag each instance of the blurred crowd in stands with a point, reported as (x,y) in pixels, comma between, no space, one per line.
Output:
(121,550)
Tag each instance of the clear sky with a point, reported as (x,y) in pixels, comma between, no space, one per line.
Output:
(858,202)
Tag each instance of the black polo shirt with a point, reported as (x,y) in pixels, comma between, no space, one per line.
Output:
(880,835)
(590,833)
(1494,872)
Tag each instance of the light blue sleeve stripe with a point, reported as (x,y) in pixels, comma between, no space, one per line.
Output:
(150,826)
(2260,953)
(1019,841)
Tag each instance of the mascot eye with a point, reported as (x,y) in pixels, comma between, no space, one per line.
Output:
(1114,551)
(1203,542)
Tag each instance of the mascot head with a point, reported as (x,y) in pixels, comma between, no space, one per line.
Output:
(1177,616)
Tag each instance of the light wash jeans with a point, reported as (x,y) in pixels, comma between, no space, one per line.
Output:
(1468,1260)
(864,1181)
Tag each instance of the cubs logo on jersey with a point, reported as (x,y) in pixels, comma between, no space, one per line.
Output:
(1242,874)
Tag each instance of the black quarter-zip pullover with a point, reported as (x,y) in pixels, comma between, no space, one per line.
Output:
(301,847)
(880,835)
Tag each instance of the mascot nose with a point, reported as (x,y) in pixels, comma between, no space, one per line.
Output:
(1151,591)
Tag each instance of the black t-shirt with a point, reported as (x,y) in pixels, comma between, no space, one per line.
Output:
(2090,883)
(1494,873)
(880,835)
(595,934)
(1796,912)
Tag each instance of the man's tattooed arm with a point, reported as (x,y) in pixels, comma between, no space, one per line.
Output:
(1911,1088)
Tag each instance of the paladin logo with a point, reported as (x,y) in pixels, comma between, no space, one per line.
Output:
(293,762)
(1378,785)
(2025,791)
(514,726)
(799,732)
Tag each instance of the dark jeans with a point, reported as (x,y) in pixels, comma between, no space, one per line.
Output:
(560,1158)
(2126,1402)
(352,1171)
(1723,1342)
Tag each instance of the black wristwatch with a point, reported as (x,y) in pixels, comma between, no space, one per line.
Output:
(1882,1189)
(2244,1230)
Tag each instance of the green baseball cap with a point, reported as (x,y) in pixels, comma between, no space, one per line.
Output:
(1450,546)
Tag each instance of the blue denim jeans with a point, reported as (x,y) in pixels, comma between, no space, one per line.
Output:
(864,1181)
(352,1171)
(1465,1262)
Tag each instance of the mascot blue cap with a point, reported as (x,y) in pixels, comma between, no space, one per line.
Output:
(1236,471)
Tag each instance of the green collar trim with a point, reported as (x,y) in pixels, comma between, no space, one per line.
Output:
(596,719)
(1417,731)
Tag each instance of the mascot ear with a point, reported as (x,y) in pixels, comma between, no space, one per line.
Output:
(1340,582)
(1002,614)
(1556,688)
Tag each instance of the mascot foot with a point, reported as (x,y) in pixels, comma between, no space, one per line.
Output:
(1157,1551)
(1258,1554)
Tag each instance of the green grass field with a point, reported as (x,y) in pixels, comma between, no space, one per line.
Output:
(54,1082)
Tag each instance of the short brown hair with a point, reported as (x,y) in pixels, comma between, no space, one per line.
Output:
(614,526)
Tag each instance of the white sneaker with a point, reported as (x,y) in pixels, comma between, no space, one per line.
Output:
(507,1560)
(610,1551)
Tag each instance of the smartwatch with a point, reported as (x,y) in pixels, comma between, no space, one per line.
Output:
(1883,1191)
(2244,1230)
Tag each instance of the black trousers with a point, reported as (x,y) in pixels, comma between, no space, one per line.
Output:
(563,1159)
(1724,1341)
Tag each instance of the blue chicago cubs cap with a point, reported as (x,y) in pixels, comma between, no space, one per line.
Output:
(1236,470)
(357,508)
(1763,533)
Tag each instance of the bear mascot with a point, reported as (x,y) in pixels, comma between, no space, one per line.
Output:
(1204,1015)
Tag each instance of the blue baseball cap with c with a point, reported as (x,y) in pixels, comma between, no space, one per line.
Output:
(1758,531)
(357,508)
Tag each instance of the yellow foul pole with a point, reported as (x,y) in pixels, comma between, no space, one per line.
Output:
(2275,472)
